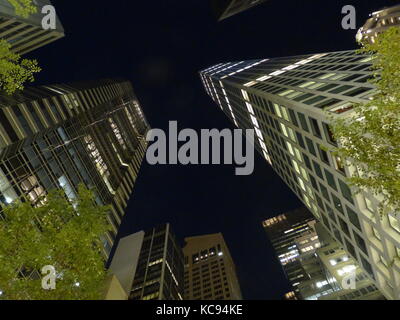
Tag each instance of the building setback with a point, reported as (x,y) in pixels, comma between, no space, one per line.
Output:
(316,265)
(341,270)
(26,34)
(210,273)
(226,8)
(159,268)
(287,102)
(59,136)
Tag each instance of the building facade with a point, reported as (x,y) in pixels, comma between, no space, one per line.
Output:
(319,268)
(210,273)
(342,272)
(288,102)
(59,136)
(379,22)
(159,271)
(26,34)
(226,8)
(124,262)
(315,284)
(282,231)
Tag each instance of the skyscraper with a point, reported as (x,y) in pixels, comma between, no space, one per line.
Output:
(282,231)
(226,8)
(58,136)
(125,260)
(26,34)
(210,273)
(287,101)
(159,271)
(379,22)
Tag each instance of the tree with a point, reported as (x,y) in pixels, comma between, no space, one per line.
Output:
(61,233)
(370,138)
(14,72)
(23,8)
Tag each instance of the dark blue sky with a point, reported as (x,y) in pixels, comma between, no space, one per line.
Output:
(160,46)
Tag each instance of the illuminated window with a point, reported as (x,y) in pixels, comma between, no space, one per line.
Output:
(369,205)
(376,233)
(339,164)
(394,223)
(346,269)
(130,118)
(117,133)
(290,148)
(291,134)
(98,161)
(296,166)
(277,110)
(285,114)
(283,127)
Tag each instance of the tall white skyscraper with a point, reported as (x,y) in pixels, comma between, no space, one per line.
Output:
(287,102)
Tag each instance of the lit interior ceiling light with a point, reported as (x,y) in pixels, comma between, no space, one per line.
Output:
(346,269)
(229,105)
(285,69)
(249,84)
(245,68)
(263,78)
(256,127)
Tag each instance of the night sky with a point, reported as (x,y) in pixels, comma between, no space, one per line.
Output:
(160,46)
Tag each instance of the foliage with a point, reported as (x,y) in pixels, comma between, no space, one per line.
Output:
(370,138)
(14,72)
(23,8)
(61,233)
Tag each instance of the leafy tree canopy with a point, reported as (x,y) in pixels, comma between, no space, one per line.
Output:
(60,233)
(370,138)
(14,72)
(23,8)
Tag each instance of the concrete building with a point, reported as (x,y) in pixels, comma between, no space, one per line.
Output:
(114,289)
(156,259)
(58,136)
(379,22)
(26,34)
(126,259)
(226,8)
(286,101)
(210,272)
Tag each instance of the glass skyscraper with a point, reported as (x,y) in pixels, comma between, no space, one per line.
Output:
(288,101)
(159,271)
(282,231)
(58,136)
